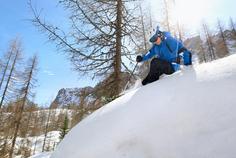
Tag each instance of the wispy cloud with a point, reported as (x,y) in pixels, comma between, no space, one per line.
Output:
(48,72)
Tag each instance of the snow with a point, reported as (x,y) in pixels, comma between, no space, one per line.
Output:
(231,46)
(191,113)
(42,155)
(56,112)
(37,144)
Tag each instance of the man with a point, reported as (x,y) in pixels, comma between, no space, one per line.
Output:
(167,52)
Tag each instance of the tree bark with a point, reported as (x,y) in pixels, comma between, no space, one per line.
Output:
(117,63)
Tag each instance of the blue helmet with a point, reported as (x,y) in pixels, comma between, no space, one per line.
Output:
(156,35)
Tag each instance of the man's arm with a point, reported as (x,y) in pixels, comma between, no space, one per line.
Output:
(149,54)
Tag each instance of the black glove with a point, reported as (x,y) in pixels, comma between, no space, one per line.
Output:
(139,58)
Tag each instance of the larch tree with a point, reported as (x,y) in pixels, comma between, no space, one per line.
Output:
(47,126)
(232,26)
(202,52)
(178,27)
(143,44)
(4,66)
(209,41)
(25,94)
(167,15)
(222,44)
(14,53)
(100,39)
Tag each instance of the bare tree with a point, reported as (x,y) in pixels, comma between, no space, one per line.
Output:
(143,43)
(167,18)
(209,41)
(46,129)
(15,48)
(7,123)
(4,67)
(100,39)
(150,18)
(36,129)
(143,29)
(177,24)
(222,43)
(232,26)
(26,92)
(203,57)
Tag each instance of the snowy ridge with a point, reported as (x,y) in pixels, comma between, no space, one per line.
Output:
(188,114)
(72,96)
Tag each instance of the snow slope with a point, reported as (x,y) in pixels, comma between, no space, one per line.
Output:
(190,114)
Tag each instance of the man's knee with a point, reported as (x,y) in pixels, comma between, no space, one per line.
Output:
(155,62)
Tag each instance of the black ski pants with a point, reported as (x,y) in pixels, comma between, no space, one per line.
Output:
(157,68)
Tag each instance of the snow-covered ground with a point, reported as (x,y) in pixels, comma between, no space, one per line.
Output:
(190,114)
(36,144)
(42,155)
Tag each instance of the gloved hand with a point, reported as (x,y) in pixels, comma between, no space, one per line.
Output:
(139,58)
(187,56)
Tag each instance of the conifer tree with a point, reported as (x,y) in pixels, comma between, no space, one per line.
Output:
(15,51)
(210,45)
(232,26)
(25,93)
(65,128)
(203,57)
(4,67)
(223,49)
(46,129)
(101,37)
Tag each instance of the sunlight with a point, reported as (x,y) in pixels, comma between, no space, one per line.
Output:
(190,13)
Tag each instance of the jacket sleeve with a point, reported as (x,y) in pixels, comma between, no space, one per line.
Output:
(149,54)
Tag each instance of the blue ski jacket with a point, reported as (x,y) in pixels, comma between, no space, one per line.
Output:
(167,50)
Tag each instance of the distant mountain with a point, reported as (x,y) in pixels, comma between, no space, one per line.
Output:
(73,96)
(88,96)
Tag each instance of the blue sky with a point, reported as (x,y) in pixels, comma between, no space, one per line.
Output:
(55,71)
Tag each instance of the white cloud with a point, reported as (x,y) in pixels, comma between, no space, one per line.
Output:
(48,72)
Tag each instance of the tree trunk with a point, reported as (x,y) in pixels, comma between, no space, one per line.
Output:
(117,63)
(5,69)
(46,130)
(9,78)
(24,99)
(223,38)
(143,29)
(209,42)
(232,27)
(167,15)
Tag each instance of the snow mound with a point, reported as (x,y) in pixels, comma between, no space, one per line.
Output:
(191,113)
(42,155)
